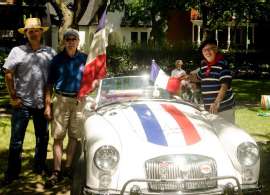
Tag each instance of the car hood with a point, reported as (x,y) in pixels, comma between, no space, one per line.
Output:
(161,124)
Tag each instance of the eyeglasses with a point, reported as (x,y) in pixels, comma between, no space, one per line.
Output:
(71,39)
(208,49)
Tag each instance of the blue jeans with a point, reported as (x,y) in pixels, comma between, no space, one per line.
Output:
(19,122)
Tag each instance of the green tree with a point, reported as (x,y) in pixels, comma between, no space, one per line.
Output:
(214,13)
(217,13)
(153,12)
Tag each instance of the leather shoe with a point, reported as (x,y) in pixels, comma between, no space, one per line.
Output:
(54,179)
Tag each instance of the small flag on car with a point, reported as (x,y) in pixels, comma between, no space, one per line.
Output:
(162,80)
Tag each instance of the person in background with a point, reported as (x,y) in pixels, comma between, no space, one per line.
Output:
(178,71)
(216,79)
(26,73)
(182,76)
(64,78)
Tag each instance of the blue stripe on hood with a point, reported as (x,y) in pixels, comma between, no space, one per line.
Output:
(150,124)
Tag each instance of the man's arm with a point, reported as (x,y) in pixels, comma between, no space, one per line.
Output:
(193,76)
(10,83)
(222,91)
(48,95)
(14,100)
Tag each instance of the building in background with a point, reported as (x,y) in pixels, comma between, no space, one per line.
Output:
(184,28)
(12,15)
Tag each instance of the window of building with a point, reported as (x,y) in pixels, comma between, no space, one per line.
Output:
(134,37)
(144,38)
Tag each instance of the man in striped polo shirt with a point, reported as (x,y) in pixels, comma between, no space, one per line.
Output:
(216,79)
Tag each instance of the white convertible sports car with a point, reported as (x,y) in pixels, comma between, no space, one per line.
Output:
(140,140)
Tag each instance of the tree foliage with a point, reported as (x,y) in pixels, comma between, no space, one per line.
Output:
(153,12)
(214,13)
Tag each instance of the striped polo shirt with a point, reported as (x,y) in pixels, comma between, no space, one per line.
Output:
(212,76)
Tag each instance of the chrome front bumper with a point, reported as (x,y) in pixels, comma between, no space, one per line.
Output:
(135,190)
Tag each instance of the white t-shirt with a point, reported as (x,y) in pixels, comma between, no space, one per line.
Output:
(178,72)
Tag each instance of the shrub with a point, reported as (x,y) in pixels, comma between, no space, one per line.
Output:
(137,59)
(2,61)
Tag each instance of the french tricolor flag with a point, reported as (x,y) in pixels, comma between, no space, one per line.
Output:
(162,80)
(95,68)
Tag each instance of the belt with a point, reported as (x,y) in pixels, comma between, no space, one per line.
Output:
(65,94)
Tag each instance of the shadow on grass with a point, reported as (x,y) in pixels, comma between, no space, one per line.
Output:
(265,168)
(29,182)
(250,90)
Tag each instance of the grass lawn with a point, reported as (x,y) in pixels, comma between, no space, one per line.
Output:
(257,126)
(248,94)
(250,91)
(29,183)
(3,97)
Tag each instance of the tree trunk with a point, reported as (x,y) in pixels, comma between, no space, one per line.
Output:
(66,23)
(204,15)
(157,34)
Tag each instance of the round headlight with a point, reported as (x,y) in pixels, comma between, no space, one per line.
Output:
(106,158)
(247,154)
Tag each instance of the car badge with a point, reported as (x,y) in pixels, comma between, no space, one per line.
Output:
(205,169)
(163,169)
(164,165)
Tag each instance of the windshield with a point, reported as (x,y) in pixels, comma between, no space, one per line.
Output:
(128,88)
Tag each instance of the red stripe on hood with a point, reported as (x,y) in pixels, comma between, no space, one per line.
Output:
(189,131)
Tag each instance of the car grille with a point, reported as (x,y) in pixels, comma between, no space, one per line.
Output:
(181,167)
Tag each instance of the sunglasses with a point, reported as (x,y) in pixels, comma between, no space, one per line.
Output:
(71,39)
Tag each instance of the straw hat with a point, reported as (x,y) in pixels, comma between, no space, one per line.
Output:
(32,23)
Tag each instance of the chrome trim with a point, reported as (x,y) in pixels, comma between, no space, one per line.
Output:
(181,166)
(244,188)
(183,180)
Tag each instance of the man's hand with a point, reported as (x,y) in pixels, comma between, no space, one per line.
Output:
(214,107)
(16,102)
(192,77)
(48,112)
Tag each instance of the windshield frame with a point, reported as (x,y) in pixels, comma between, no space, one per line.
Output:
(98,94)
(128,92)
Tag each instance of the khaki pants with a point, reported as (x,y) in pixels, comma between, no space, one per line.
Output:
(67,117)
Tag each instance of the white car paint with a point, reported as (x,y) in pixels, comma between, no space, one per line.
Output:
(120,125)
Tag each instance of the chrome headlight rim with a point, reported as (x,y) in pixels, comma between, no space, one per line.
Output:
(106,158)
(248,154)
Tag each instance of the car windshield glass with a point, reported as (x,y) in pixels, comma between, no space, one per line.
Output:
(128,88)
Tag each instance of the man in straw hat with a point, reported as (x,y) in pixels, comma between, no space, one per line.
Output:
(26,72)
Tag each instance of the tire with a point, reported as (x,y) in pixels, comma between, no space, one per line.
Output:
(79,171)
